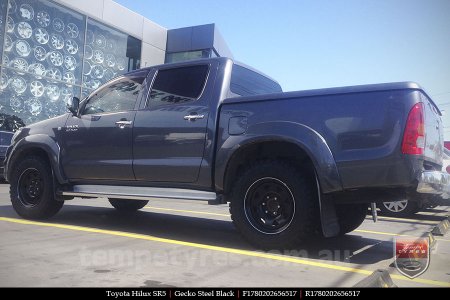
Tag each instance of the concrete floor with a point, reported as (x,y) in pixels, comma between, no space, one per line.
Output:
(190,244)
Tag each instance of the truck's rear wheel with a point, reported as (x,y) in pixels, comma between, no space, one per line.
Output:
(32,190)
(274,205)
(351,216)
(127,205)
(401,208)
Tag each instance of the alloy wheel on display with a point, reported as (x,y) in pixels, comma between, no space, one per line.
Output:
(56,58)
(70,63)
(37,69)
(19,64)
(72,30)
(41,36)
(40,53)
(58,25)
(42,19)
(34,106)
(71,47)
(53,92)
(57,41)
(26,12)
(54,73)
(8,44)
(18,85)
(22,48)
(24,30)
(37,89)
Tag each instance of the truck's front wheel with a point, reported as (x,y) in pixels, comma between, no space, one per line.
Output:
(126,205)
(31,189)
(274,205)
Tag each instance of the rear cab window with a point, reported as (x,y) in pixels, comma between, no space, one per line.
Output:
(245,82)
(178,85)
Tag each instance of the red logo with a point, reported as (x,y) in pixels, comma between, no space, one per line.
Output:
(412,256)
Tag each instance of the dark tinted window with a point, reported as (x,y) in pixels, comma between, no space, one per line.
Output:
(179,85)
(245,82)
(118,95)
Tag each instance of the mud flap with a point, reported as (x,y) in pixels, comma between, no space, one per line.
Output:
(328,216)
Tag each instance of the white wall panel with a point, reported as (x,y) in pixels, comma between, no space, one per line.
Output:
(151,55)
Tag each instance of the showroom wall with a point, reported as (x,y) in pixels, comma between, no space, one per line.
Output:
(54,50)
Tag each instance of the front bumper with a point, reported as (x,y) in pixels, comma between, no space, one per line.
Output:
(435,182)
(2,169)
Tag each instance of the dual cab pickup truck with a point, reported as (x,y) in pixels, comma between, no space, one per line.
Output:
(291,165)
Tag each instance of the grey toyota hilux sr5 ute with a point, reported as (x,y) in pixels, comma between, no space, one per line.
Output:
(291,165)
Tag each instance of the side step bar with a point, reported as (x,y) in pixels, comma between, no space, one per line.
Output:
(137,193)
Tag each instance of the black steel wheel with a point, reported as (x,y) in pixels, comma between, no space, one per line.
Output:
(274,205)
(31,186)
(269,205)
(32,189)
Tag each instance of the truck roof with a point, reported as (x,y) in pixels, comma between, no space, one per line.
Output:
(203,60)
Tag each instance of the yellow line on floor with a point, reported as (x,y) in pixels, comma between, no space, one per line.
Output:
(187,211)
(294,260)
(228,215)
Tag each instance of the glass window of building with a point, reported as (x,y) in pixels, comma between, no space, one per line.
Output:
(188,55)
(108,53)
(41,59)
(49,54)
(178,85)
(3,6)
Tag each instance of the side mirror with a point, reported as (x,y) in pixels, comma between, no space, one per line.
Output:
(73,106)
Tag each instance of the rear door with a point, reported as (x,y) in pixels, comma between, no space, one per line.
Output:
(170,131)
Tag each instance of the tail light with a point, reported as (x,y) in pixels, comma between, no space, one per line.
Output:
(414,136)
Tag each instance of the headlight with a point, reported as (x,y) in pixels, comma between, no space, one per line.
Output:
(16,134)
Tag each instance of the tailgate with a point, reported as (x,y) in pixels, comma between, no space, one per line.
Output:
(434,139)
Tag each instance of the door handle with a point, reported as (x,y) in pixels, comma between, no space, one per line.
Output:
(193,117)
(122,124)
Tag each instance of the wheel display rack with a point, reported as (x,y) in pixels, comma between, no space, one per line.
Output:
(49,56)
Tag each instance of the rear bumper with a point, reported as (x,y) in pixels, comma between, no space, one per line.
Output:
(434,182)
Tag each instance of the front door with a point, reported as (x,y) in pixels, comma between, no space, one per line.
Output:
(98,142)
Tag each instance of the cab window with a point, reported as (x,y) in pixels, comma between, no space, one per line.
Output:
(120,94)
(178,85)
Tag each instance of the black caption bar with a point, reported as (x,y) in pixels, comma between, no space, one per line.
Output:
(228,293)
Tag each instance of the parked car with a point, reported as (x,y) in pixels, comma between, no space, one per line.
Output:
(5,141)
(291,165)
(407,208)
(446,162)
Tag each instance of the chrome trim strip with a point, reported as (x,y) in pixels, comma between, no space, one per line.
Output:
(137,193)
(434,182)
